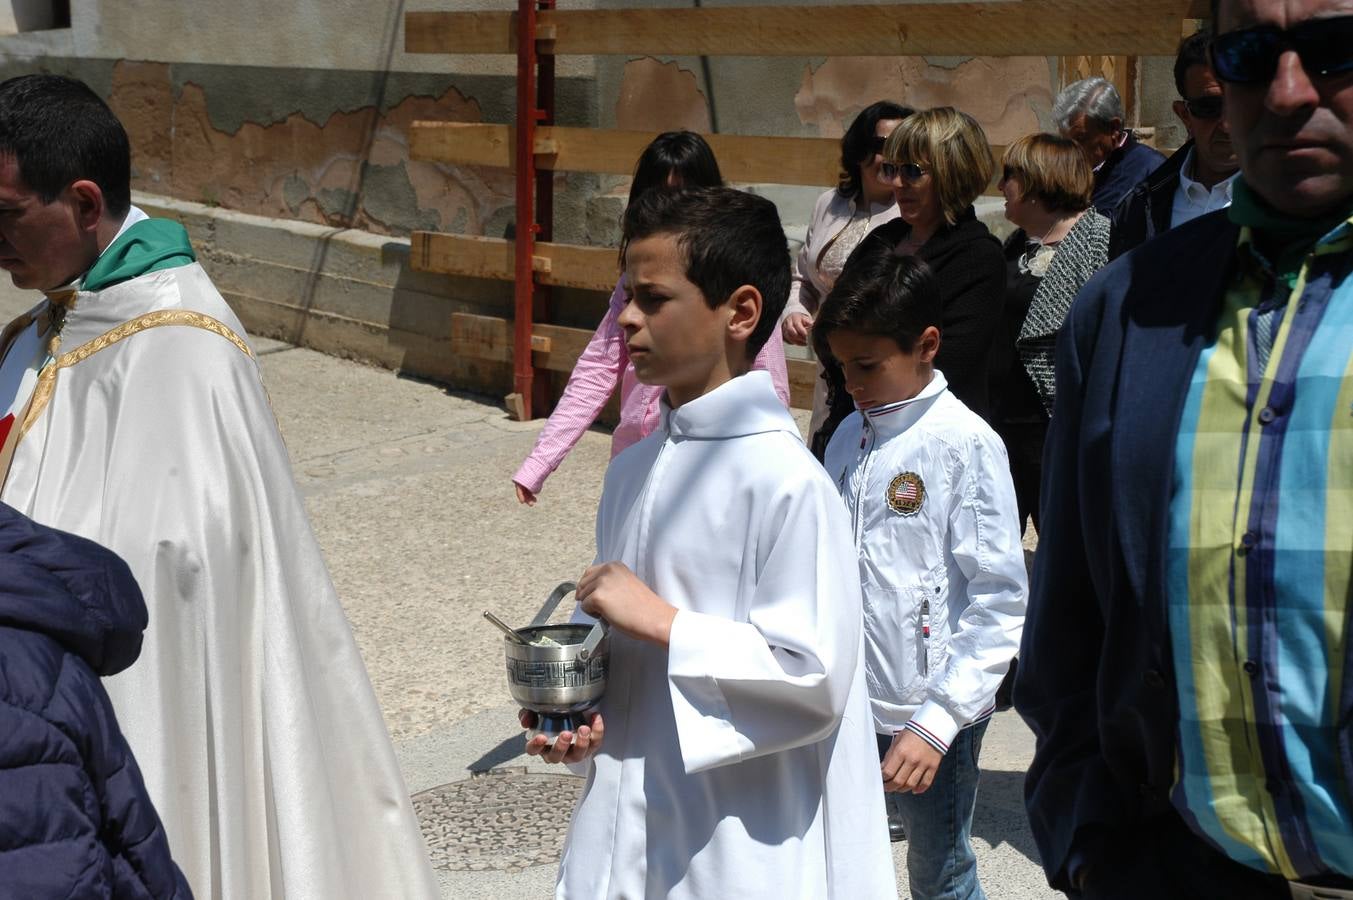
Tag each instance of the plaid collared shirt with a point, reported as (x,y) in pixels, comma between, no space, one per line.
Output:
(1259,567)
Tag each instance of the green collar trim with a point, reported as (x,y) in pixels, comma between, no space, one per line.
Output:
(147,246)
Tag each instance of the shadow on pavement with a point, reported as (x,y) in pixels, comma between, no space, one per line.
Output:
(1000,817)
(507,750)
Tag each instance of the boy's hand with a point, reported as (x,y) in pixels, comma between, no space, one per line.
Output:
(910,764)
(612,592)
(568,747)
(524,495)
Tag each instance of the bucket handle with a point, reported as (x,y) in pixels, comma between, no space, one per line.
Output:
(552,602)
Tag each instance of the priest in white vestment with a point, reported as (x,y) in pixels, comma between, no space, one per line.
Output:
(734,754)
(135,416)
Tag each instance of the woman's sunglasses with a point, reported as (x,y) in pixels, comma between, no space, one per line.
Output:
(908,172)
(1250,55)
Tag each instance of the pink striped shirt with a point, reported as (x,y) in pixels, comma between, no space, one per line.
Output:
(604,363)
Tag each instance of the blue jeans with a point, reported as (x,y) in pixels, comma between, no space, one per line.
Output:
(940,861)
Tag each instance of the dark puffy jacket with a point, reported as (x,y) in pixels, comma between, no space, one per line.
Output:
(75,820)
(1148,208)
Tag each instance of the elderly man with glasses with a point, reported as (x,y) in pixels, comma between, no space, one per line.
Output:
(1090,112)
(1186,664)
(1197,178)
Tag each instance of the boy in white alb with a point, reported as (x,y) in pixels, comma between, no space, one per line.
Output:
(933,511)
(732,753)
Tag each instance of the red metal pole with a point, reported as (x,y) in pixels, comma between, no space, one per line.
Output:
(544,202)
(524,298)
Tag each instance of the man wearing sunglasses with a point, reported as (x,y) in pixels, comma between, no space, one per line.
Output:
(1186,666)
(1197,178)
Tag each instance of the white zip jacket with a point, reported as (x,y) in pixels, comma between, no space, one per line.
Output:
(928,486)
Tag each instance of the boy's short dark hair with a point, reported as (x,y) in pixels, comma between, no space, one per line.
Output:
(880,292)
(59,131)
(727,238)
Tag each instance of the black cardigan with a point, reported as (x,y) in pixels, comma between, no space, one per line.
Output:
(969,268)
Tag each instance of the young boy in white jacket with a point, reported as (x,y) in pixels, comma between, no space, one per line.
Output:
(933,509)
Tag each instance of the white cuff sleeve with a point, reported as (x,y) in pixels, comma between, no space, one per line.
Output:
(933,724)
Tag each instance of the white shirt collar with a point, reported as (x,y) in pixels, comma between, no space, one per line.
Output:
(1192,199)
(1195,189)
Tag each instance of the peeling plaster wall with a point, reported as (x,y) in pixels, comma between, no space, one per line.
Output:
(320,146)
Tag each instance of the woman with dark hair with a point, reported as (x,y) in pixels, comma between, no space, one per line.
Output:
(674,160)
(1060,243)
(841,219)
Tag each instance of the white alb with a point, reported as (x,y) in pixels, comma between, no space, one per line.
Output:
(740,762)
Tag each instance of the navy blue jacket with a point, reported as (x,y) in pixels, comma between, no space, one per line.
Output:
(75,820)
(1095,679)
(1125,168)
(1148,208)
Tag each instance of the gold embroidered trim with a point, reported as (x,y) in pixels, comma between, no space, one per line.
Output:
(42,392)
(148,321)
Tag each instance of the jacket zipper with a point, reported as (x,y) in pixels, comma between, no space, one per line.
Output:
(925,637)
(863,458)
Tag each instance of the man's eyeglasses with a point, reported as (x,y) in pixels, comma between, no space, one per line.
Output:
(1250,55)
(1009,172)
(908,172)
(1204,107)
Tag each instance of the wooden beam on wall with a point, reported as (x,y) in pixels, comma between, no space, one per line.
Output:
(1024,28)
(802,377)
(742,158)
(490,338)
(564,265)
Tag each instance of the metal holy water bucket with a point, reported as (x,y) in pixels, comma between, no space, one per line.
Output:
(560,678)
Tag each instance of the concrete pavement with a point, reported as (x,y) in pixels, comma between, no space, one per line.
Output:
(408,489)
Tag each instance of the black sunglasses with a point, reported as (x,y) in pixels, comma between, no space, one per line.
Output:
(909,172)
(1250,55)
(876,144)
(1204,107)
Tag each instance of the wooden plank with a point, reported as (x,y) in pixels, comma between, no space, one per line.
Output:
(464,143)
(565,265)
(490,338)
(742,158)
(802,377)
(440,32)
(1002,28)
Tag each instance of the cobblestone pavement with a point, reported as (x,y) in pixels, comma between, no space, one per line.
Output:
(408,489)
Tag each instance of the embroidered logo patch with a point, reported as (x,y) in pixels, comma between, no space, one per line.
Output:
(906,494)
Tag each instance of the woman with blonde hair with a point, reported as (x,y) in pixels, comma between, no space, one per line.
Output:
(938,162)
(1061,242)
